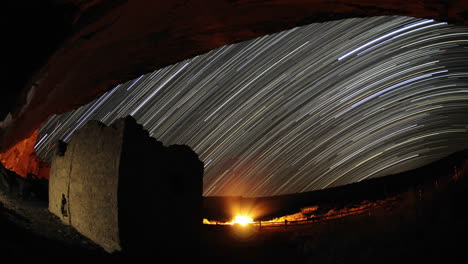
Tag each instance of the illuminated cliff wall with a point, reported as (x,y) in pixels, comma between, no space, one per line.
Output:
(22,159)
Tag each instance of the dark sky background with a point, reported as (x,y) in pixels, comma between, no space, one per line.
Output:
(305,109)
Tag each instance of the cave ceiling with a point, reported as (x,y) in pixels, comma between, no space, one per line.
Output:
(77,50)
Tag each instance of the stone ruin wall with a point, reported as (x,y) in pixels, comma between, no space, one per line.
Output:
(83,186)
(123,189)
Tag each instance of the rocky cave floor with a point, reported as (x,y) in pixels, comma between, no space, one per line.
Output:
(427,226)
(29,231)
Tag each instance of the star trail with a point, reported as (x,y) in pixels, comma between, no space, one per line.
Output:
(304,109)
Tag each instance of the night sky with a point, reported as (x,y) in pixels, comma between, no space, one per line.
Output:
(305,109)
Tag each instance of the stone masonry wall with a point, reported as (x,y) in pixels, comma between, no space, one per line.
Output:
(84,182)
(126,191)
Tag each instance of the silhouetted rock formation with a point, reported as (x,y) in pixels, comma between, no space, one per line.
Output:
(126,191)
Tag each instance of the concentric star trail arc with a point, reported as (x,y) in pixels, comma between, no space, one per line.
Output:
(309,108)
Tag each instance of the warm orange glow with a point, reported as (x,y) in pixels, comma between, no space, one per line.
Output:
(309,215)
(242,220)
(22,159)
(208,222)
(239,220)
(300,216)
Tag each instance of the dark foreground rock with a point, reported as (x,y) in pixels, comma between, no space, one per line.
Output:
(29,232)
(29,187)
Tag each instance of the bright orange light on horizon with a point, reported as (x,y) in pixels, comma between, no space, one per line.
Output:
(242,220)
(239,219)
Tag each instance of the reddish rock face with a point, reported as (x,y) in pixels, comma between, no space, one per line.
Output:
(22,159)
(115,41)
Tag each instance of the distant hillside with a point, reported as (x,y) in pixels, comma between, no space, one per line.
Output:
(222,207)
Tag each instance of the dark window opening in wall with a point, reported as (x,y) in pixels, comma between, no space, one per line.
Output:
(63,208)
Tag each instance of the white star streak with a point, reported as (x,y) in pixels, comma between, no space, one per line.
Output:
(309,108)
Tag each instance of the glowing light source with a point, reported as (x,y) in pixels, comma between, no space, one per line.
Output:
(242,220)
